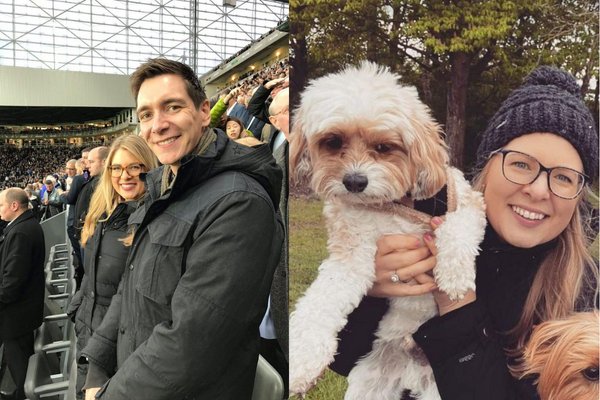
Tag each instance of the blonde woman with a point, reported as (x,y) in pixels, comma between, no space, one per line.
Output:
(536,160)
(104,234)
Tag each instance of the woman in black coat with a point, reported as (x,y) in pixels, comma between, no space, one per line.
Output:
(105,237)
(536,161)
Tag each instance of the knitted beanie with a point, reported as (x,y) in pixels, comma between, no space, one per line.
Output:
(549,101)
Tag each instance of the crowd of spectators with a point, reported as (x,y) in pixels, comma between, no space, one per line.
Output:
(20,167)
(253,79)
(70,129)
(252,43)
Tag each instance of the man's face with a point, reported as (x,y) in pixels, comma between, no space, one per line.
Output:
(49,187)
(169,121)
(5,211)
(84,157)
(95,163)
(71,170)
(281,117)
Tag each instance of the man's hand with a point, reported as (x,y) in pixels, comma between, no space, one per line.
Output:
(46,202)
(90,394)
(273,83)
(231,94)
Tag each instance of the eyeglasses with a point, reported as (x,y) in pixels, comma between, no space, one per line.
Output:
(285,110)
(523,169)
(132,170)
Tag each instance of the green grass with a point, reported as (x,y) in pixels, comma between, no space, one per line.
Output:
(308,240)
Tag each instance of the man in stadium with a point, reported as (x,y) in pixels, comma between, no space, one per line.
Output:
(185,321)
(21,283)
(96,160)
(70,198)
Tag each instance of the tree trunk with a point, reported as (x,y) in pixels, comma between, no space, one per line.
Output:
(456,107)
(299,65)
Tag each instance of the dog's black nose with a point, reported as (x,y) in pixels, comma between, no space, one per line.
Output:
(355,183)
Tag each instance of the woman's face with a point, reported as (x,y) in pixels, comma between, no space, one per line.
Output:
(129,187)
(507,202)
(233,129)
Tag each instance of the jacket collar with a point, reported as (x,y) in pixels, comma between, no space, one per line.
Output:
(27,214)
(194,169)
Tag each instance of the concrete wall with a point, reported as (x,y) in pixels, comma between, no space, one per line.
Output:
(51,88)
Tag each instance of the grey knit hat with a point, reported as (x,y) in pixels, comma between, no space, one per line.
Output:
(549,101)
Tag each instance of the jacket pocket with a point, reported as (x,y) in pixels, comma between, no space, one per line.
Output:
(161,266)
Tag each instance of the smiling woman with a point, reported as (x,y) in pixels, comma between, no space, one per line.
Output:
(105,234)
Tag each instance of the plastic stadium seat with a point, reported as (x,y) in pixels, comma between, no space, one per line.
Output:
(268,384)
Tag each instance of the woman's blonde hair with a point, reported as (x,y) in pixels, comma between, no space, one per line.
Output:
(105,197)
(564,277)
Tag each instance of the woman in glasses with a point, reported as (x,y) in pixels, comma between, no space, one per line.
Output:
(105,237)
(536,161)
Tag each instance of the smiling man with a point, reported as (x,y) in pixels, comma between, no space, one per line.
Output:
(185,321)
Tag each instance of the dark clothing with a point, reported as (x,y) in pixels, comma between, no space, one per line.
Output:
(82,204)
(104,266)
(71,197)
(258,105)
(184,323)
(21,276)
(21,292)
(465,346)
(16,354)
(35,207)
(280,288)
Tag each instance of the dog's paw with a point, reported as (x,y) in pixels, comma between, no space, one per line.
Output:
(457,289)
(408,343)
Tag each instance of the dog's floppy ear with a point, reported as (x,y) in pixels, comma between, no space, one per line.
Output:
(300,165)
(429,158)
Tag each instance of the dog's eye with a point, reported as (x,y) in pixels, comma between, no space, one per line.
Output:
(591,373)
(334,143)
(383,148)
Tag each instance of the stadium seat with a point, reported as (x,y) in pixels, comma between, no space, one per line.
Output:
(268,384)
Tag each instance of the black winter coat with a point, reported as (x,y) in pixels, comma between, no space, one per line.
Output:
(184,323)
(465,346)
(105,258)
(22,253)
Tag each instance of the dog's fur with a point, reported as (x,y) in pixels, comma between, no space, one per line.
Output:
(361,121)
(562,353)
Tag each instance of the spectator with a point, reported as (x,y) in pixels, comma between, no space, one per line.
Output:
(51,200)
(70,199)
(21,283)
(235,129)
(103,233)
(34,204)
(198,279)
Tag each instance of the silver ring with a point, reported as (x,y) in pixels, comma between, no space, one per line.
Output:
(395,278)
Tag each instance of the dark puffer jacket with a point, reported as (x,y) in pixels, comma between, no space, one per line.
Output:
(184,323)
(105,258)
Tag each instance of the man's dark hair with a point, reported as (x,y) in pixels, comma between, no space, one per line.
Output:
(18,195)
(87,150)
(49,182)
(162,66)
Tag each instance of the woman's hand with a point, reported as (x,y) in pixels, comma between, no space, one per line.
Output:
(445,305)
(410,259)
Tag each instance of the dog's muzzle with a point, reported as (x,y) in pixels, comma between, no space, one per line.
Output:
(355,183)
